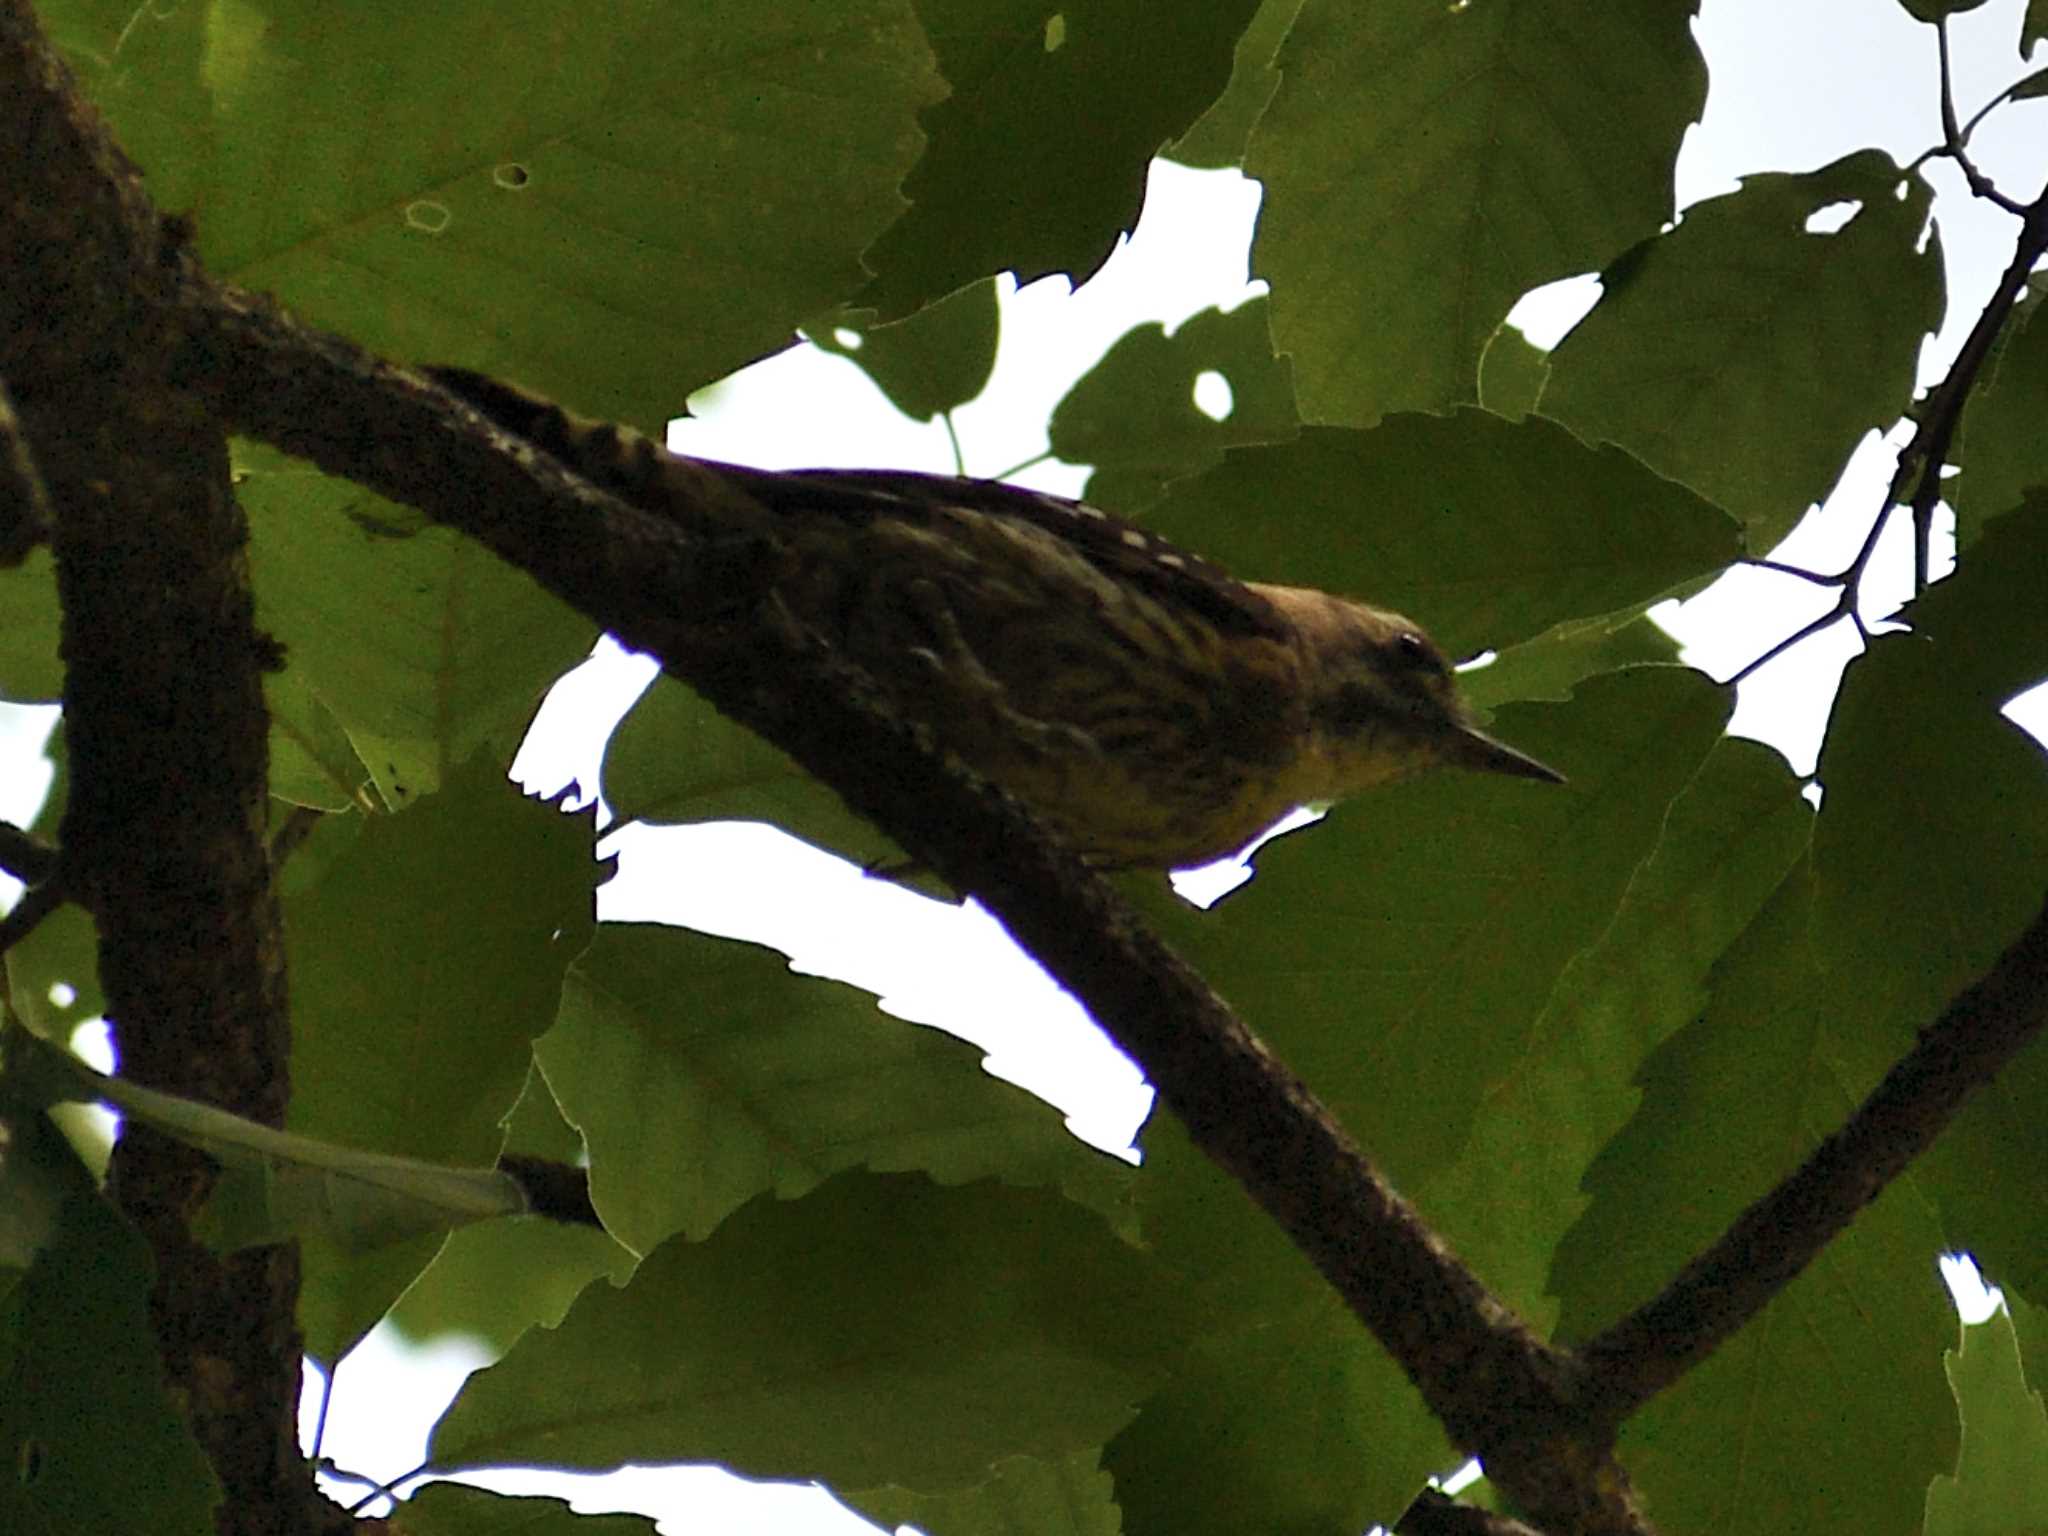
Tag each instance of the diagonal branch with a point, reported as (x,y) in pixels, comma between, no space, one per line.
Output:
(1987,1024)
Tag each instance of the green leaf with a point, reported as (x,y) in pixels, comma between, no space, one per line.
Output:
(1730,1104)
(2000,447)
(492,1281)
(2000,1486)
(1133,415)
(1221,134)
(1065,1496)
(30,670)
(1936,862)
(1036,161)
(1300,1423)
(60,958)
(614,213)
(703,1072)
(1730,838)
(312,761)
(417,990)
(1700,359)
(62,952)
(1400,953)
(1290,1419)
(421,646)
(676,759)
(1512,373)
(1425,166)
(1486,531)
(937,359)
(88,1434)
(1550,666)
(881,1330)
(1925,861)
(452,1509)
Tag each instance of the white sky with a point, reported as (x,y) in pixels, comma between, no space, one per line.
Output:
(1792,88)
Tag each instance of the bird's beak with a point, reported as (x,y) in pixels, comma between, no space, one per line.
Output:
(1473,748)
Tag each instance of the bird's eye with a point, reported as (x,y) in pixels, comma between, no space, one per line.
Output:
(1418,652)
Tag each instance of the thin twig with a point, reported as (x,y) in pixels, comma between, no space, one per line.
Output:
(1803,633)
(386,1490)
(1922,460)
(1994,104)
(1956,138)
(1816,577)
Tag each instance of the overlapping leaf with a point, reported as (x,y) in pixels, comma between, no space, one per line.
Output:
(702,1072)
(1037,159)
(1486,531)
(1133,415)
(658,196)
(881,1330)
(1427,165)
(78,1361)
(417,990)
(1746,351)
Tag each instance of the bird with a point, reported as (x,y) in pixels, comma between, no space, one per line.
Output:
(1153,709)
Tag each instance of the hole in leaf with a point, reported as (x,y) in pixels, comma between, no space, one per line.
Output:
(1832,218)
(1213,396)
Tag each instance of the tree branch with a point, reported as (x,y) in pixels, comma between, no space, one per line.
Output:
(1987,1024)
(166,727)
(26,857)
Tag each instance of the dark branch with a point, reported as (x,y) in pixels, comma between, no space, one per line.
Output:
(1986,1025)
(1956,138)
(26,857)
(165,724)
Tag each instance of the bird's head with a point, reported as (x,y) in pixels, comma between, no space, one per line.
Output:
(1383,702)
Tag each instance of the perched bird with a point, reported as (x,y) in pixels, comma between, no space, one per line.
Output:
(1151,707)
